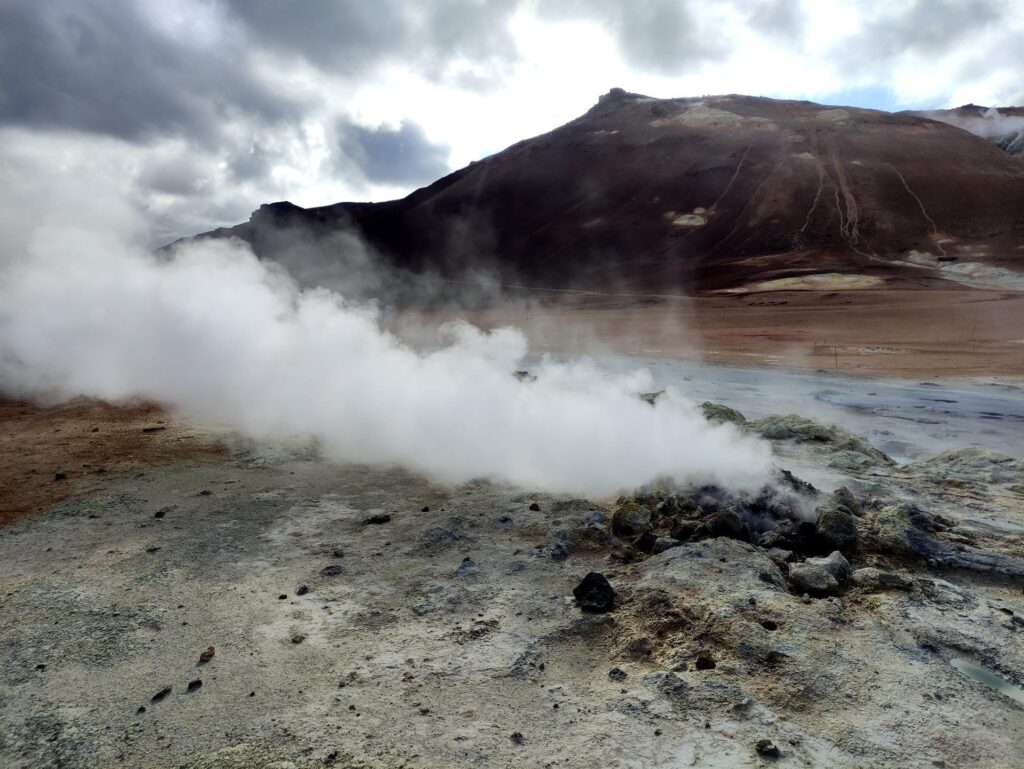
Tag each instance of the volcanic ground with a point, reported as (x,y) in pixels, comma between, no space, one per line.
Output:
(207,601)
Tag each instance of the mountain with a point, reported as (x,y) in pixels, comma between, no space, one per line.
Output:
(698,194)
(1003,126)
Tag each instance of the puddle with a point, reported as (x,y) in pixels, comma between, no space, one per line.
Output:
(989,678)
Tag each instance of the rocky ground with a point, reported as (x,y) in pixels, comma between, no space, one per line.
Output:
(266,608)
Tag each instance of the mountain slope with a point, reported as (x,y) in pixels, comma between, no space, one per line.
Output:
(698,194)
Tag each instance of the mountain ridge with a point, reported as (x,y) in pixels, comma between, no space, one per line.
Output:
(700,194)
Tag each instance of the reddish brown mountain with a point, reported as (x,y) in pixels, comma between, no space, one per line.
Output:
(699,194)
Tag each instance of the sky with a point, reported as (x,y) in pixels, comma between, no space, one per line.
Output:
(200,110)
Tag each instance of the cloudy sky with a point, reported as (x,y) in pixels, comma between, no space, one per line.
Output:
(202,109)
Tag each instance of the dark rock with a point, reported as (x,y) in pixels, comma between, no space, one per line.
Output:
(684,530)
(160,695)
(662,544)
(534,507)
(559,552)
(195,684)
(302,590)
(377,519)
(425,509)
(150,430)
(517,738)
(141,709)
(338,552)
(631,519)
(594,594)
(797,484)
(282,597)
(727,523)
(645,542)
(204,493)
(768,624)
(331,571)
(60,476)
(767,748)
(651,398)
(837,529)
(844,497)
(298,638)
(467,568)
(206,655)
(617,674)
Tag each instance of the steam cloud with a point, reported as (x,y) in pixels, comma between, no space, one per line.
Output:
(220,336)
(991,124)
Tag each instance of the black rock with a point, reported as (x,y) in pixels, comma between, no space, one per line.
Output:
(645,542)
(594,594)
(517,738)
(726,523)
(60,476)
(141,709)
(425,509)
(331,571)
(767,749)
(617,674)
(206,655)
(338,553)
(377,519)
(161,694)
(534,507)
(302,590)
(193,685)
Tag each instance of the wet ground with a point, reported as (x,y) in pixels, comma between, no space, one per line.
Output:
(908,420)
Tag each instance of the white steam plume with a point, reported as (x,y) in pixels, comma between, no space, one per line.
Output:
(218,335)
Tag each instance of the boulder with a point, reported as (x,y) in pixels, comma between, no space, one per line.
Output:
(844,497)
(726,523)
(837,528)
(594,594)
(834,564)
(631,519)
(812,578)
(716,412)
(871,578)
(661,544)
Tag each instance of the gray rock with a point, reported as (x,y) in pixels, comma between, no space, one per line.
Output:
(834,564)
(661,544)
(871,578)
(812,578)
(716,412)
(467,568)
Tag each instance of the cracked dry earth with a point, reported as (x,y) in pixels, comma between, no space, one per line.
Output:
(447,635)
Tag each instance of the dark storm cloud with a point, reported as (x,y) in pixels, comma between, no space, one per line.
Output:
(932,27)
(392,156)
(352,36)
(102,66)
(660,36)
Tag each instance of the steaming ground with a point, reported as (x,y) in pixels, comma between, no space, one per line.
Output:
(343,550)
(221,337)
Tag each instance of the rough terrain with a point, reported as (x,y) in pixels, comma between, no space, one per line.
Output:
(363,616)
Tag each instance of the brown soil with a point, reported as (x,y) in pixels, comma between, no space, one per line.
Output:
(955,332)
(52,453)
